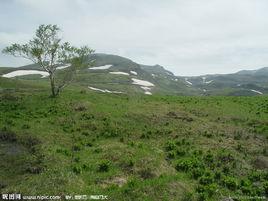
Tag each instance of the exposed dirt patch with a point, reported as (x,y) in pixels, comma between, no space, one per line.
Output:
(261,162)
(182,117)
(118,180)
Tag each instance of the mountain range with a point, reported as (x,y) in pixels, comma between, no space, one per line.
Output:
(116,74)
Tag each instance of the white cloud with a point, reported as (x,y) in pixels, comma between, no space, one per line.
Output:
(188,37)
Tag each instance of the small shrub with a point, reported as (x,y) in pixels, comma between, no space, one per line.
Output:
(76,147)
(85,133)
(230,183)
(80,107)
(98,150)
(2,184)
(63,151)
(85,167)
(255,176)
(239,147)
(265,187)
(209,157)
(201,196)
(187,164)
(170,146)
(146,173)
(183,165)
(30,141)
(197,172)
(217,175)
(237,136)
(180,152)
(226,170)
(34,169)
(104,166)
(206,179)
(187,197)
(77,169)
(211,189)
(77,159)
(225,157)
(145,136)
(25,126)
(89,144)
(246,190)
(6,135)
(171,155)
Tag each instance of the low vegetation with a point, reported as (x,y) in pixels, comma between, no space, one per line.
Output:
(131,147)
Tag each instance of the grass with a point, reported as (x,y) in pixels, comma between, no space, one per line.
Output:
(131,147)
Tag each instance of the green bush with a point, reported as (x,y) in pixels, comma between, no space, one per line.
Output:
(206,179)
(217,175)
(171,154)
(255,176)
(104,166)
(170,145)
(184,165)
(209,158)
(146,173)
(180,152)
(201,196)
(265,187)
(197,172)
(76,147)
(77,169)
(230,183)
(187,164)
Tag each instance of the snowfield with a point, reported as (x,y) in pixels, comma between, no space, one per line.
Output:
(258,92)
(105,90)
(145,85)
(25,72)
(208,82)
(105,67)
(188,82)
(142,82)
(63,66)
(133,72)
(145,88)
(119,73)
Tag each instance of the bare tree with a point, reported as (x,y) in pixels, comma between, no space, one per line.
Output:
(48,51)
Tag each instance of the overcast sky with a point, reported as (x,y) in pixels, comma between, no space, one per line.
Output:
(187,37)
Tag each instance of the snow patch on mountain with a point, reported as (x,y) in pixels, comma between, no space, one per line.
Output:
(63,66)
(133,72)
(208,82)
(258,92)
(188,82)
(142,82)
(105,90)
(105,67)
(145,85)
(119,73)
(25,72)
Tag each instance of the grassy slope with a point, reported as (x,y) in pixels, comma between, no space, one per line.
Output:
(131,147)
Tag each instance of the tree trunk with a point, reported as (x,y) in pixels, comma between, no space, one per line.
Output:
(52,85)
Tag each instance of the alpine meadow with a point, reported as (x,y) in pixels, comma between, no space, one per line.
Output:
(78,124)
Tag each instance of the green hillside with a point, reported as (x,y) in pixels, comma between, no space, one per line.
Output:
(242,83)
(131,146)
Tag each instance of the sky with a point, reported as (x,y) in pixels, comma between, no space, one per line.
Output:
(187,37)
